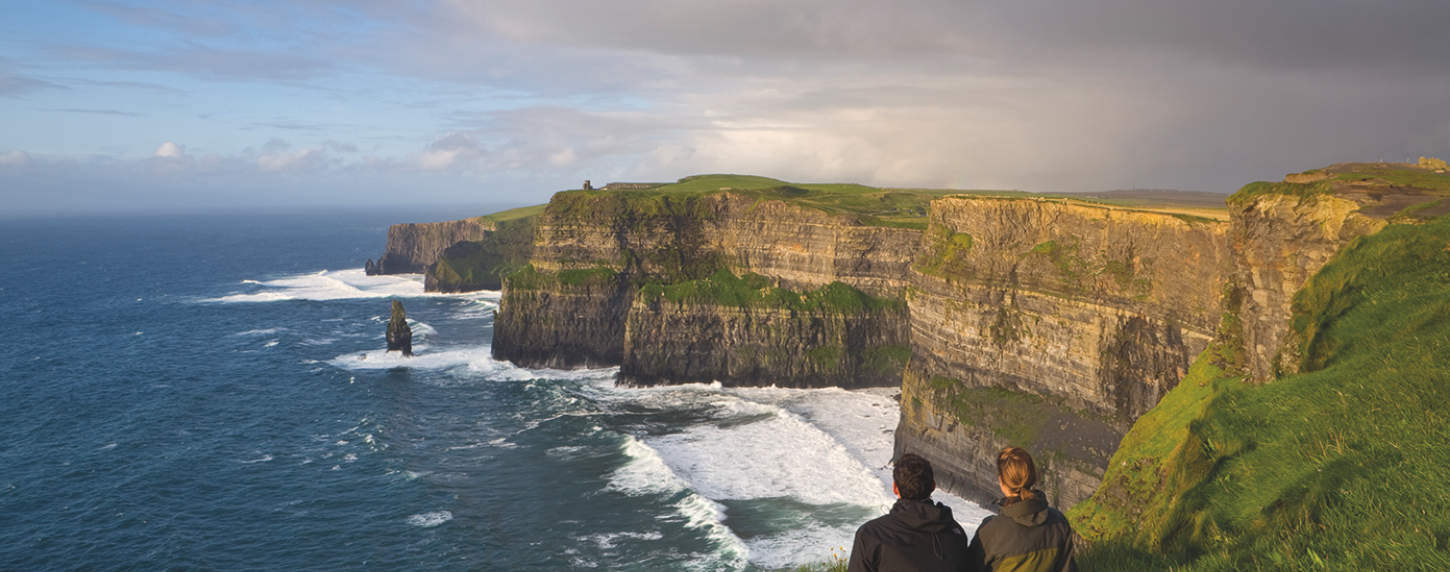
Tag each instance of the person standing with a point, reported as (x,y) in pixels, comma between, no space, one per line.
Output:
(1027,535)
(917,535)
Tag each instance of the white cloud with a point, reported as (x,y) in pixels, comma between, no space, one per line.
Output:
(171,149)
(14,158)
(276,158)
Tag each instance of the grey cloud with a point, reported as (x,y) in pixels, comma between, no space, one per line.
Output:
(97,112)
(203,61)
(12,85)
(190,24)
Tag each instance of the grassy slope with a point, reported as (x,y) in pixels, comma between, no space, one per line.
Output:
(905,208)
(1341,467)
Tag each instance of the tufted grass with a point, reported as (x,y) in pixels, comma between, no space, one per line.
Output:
(1339,467)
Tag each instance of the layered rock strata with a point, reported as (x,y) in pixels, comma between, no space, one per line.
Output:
(838,338)
(412,247)
(577,304)
(470,266)
(1283,233)
(1050,326)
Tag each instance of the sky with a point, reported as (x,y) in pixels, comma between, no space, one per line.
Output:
(120,106)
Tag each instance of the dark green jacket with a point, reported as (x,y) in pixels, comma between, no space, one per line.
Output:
(916,536)
(1027,536)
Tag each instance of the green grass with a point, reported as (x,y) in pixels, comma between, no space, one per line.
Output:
(516,214)
(1383,173)
(1398,176)
(868,205)
(482,265)
(1340,467)
(753,290)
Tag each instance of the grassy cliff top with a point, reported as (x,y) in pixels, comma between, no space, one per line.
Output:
(1340,467)
(1383,190)
(516,214)
(896,207)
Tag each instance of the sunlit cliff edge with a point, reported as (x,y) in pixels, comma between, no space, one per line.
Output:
(1057,324)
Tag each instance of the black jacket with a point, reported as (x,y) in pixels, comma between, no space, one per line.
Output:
(916,536)
(1028,536)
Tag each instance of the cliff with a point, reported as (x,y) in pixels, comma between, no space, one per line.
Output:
(412,247)
(741,331)
(469,266)
(1285,232)
(1050,325)
(632,278)
(1316,415)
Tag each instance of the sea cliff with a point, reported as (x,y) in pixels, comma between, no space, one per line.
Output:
(412,247)
(1310,434)
(1052,326)
(740,286)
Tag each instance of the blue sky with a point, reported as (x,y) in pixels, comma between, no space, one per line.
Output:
(191,105)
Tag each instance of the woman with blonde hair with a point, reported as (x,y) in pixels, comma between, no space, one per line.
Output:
(1027,535)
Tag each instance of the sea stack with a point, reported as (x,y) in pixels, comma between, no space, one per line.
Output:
(400,336)
(371,269)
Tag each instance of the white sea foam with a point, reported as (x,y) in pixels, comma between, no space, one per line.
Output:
(709,516)
(421,329)
(779,455)
(339,285)
(261,332)
(806,545)
(422,359)
(430,519)
(609,540)
(262,459)
(817,446)
(644,473)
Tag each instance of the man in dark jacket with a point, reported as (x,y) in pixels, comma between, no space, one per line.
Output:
(918,535)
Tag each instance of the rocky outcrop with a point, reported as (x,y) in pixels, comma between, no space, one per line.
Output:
(400,335)
(412,247)
(1087,314)
(574,322)
(470,266)
(1283,233)
(594,251)
(691,236)
(835,336)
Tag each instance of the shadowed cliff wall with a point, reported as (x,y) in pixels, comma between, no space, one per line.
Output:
(412,247)
(1050,326)
(627,241)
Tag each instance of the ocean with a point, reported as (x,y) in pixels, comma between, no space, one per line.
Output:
(211,392)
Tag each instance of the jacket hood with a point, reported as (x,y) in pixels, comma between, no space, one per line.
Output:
(924,515)
(1030,512)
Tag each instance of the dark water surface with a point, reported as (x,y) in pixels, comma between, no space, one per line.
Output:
(210,393)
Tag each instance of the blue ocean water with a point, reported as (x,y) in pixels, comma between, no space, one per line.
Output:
(211,393)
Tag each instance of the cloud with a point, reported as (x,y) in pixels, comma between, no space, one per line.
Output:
(14,158)
(1031,95)
(170,150)
(277,158)
(116,112)
(12,85)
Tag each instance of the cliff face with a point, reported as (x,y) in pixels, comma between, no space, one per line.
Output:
(577,321)
(1342,298)
(470,266)
(692,236)
(1283,233)
(835,336)
(1050,326)
(593,252)
(412,247)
